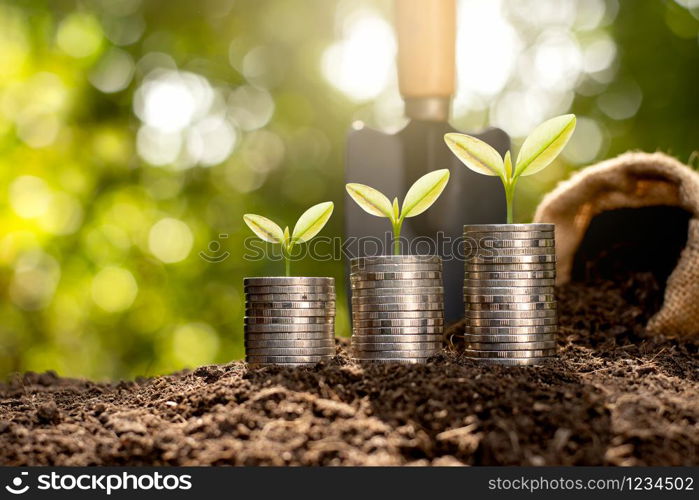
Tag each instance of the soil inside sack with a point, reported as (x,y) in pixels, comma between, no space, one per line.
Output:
(632,240)
(615,397)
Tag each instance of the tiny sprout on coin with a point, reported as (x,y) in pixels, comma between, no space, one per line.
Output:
(420,197)
(308,225)
(542,146)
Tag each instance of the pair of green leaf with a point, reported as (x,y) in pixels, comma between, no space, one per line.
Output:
(308,225)
(539,149)
(421,195)
(542,146)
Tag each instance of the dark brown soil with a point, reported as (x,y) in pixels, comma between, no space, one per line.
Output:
(615,397)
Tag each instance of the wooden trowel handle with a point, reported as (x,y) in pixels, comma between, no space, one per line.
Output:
(426,31)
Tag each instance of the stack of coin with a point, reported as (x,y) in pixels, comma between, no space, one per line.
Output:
(289,321)
(397,308)
(509,293)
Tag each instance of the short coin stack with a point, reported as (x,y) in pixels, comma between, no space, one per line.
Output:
(397,308)
(289,321)
(509,293)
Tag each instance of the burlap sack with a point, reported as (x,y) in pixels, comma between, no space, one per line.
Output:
(633,180)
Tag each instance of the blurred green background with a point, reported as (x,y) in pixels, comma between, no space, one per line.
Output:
(133,133)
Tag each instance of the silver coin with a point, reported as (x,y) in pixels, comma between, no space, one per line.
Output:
(279,313)
(392,268)
(510,338)
(488,253)
(508,299)
(258,290)
(288,281)
(291,320)
(398,299)
(394,354)
(403,339)
(283,365)
(426,347)
(511,306)
(289,336)
(512,259)
(306,327)
(291,351)
(511,330)
(509,283)
(372,276)
(510,346)
(286,359)
(407,290)
(505,243)
(394,361)
(393,259)
(423,306)
(519,235)
(510,290)
(374,323)
(290,305)
(505,314)
(483,322)
(291,297)
(511,275)
(406,330)
(365,315)
(511,267)
(298,343)
(508,228)
(531,353)
(397,283)
(513,361)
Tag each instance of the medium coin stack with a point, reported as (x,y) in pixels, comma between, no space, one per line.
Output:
(289,321)
(397,308)
(509,293)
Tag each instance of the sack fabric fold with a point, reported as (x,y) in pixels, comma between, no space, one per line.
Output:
(632,180)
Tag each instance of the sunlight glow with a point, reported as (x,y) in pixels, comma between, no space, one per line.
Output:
(487,47)
(170,100)
(362,63)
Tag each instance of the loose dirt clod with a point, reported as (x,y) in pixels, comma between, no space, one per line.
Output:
(615,397)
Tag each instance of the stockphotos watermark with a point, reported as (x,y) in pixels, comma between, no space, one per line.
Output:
(326,248)
(99,483)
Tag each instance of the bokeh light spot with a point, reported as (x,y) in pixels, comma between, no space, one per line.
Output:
(170,100)
(157,147)
(114,289)
(64,215)
(170,240)
(195,344)
(79,35)
(211,140)
(114,72)
(586,143)
(29,196)
(34,281)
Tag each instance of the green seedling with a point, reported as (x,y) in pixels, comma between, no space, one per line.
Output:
(420,197)
(308,225)
(539,149)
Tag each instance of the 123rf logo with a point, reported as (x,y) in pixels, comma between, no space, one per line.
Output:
(106,483)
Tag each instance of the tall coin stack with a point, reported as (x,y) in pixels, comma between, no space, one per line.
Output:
(289,321)
(397,308)
(509,293)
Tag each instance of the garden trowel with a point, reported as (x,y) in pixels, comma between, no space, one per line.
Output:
(426,32)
